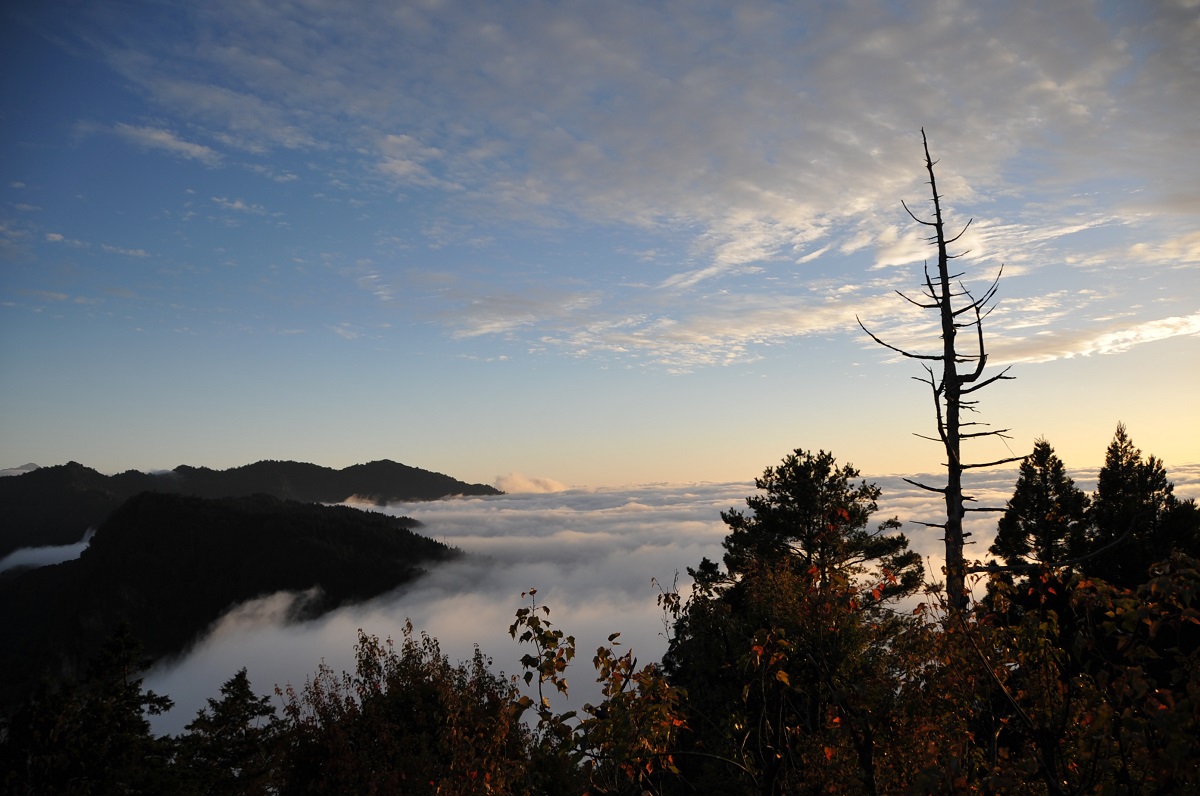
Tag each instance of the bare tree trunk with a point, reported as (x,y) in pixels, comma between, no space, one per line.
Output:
(948,391)
(956,584)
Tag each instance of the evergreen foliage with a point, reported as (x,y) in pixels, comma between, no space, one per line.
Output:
(1044,520)
(811,514)
(90,737)
(793,635)
(232,747)
(1135,518)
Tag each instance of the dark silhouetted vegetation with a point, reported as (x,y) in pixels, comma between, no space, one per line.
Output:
(170,565)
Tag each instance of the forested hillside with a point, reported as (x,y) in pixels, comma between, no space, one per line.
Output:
(170,565)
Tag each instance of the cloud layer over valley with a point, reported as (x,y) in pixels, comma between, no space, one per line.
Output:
(593,556)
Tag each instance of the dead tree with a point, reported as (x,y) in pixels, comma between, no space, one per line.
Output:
(957,309)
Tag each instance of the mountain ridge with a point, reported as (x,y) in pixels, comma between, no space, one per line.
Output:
(55,505)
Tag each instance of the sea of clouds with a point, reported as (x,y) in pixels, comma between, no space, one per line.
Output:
(598,558)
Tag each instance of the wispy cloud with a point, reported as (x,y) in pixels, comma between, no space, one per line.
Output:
(503,312)
(762,139)
(49,295)
(126,252)
(406,160)
(1117,338)
(1179,250)
(516,483)
(58,237)
(346,331)
(158,138)
(779,160)
(239,206)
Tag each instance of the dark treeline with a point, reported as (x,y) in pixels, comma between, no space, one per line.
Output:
(813,659)
(170,565)
(55,505)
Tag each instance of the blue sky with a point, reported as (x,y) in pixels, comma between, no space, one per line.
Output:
(597,243)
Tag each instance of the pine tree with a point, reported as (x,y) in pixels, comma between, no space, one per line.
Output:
(91,737)
(1129,514)
(812,514)
(230,747)
(1045,516)
(784,657)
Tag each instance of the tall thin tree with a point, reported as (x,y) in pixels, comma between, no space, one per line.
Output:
(957,308)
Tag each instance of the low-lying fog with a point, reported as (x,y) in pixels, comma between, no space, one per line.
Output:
(593,555)
(46,555)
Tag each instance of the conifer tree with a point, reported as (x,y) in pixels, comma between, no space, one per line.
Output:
(1045,516)
(90,737)
(1130,514)
(230,746)
(811,514)
(793,636)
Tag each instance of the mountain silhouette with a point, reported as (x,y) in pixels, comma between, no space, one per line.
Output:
(56,505)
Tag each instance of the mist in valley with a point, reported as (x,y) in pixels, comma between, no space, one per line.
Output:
(597,558)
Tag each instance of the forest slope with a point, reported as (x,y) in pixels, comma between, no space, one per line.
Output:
(170,565)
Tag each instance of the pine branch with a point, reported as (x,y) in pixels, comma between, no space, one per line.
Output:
(994,568)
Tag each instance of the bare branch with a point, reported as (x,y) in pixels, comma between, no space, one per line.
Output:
(914,217)
(892,347)
(962,232)
(915,302)
(999,432)
(995,463)
(939,490)
(998,377)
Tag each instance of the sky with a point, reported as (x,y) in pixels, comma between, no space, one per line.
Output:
(586,243)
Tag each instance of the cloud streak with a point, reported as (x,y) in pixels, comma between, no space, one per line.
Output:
(163,140)
(1117,339)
